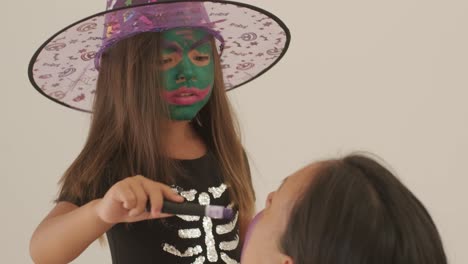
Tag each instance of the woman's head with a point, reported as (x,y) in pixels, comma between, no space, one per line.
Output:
(351,210)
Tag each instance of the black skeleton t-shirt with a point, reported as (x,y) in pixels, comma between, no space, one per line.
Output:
(183,239)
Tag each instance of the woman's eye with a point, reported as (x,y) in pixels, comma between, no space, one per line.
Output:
(269,199)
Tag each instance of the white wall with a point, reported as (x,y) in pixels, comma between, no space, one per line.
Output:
(388,77)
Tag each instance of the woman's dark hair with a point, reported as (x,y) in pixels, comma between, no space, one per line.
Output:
(355,211)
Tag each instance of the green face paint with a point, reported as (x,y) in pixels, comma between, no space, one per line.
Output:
(187,71)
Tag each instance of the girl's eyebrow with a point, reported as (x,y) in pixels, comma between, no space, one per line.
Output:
(171,46)
(200,42)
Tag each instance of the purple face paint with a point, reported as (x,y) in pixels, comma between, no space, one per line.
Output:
(250,230)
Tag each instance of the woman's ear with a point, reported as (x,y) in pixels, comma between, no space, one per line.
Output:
(285,259)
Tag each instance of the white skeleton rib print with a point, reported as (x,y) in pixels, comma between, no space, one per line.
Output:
(210,243)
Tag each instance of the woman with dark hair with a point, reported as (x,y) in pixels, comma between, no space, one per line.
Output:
(350,210)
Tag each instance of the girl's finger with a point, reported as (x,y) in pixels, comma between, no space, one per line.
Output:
(140,217)
(125,194)
(141,197)
(163,215)
(156,199)
(170,194)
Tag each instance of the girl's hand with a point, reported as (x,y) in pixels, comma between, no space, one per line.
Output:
(126,200)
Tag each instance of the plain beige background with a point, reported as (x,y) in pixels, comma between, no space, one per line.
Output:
(390,77)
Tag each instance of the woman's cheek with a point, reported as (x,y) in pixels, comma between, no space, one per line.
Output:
(250,230)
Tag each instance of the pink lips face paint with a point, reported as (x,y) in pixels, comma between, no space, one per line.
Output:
(186,96)
(250,230)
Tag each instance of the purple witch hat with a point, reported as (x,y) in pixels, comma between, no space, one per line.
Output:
(65,68)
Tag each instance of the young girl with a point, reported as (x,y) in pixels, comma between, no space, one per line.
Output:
(162,127)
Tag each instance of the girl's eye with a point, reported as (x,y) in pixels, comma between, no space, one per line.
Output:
(166,60)
(202,58)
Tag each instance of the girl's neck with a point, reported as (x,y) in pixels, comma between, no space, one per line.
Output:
(179,131)
(183,142)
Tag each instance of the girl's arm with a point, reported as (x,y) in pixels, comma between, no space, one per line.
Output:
(68,229)
(66,232)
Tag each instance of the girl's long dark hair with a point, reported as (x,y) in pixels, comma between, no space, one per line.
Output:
(127,132)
